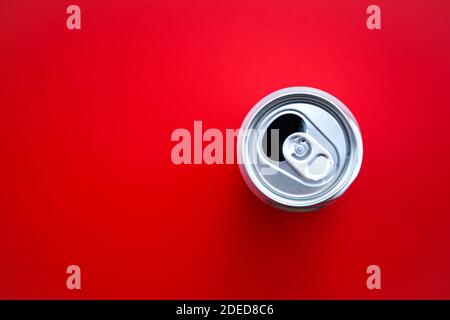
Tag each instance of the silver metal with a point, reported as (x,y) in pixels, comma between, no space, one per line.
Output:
(307,156)
(317,157)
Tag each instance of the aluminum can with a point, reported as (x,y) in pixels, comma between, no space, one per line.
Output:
(299,149)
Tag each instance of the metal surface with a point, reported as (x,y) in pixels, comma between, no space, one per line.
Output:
(299,148)
(307,156)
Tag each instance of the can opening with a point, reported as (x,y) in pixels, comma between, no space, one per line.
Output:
(281,128)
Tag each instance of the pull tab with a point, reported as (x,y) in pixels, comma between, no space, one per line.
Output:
(307,156)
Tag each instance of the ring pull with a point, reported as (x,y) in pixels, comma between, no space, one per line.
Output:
(308,157)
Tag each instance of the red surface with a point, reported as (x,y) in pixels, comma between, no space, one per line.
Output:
(86,176)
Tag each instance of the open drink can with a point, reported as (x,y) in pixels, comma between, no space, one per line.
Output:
(299,148)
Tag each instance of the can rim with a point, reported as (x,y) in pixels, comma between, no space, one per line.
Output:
(351,172)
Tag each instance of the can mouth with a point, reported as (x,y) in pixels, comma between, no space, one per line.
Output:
(277,132)
(322,151)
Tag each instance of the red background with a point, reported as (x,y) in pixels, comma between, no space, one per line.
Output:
(86,176)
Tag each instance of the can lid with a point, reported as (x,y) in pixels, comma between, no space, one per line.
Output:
(299,148)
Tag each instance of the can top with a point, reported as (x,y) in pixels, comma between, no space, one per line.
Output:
(300,148)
